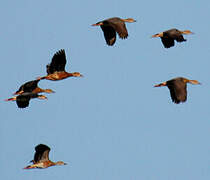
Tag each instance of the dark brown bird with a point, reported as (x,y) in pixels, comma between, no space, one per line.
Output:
(41,158)
(178,88)
(32,86)
(56,69)
(111,26)
(23,99)
(168,37)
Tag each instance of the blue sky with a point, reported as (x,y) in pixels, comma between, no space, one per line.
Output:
(111,124)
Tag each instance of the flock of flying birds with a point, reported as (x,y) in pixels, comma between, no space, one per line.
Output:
(56,71)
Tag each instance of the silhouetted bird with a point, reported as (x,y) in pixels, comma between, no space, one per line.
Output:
(178,88)
(168,37)
(23,99)
(111,26)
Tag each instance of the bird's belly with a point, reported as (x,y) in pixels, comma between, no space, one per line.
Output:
(40,165)
(57,76)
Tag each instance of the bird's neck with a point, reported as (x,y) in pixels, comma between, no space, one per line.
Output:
(128,20)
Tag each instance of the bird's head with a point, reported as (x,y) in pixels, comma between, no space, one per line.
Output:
(49,91)
(77,74)
(129,20)
(187,32)
(61,163)
(193,82)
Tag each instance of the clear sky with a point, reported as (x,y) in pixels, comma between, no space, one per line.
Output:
(112,124)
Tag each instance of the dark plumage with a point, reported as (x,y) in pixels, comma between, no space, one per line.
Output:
(168,37)
(41,158)
(41,154)
(111,26)
(32,86)
(28,87)
(178,88)
(23,99)
(56,69)
(58,62)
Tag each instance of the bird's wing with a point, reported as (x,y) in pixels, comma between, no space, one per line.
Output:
(42,153)
(109,34)
(28,86)
(178,91)
(58,62)
(22,101)
(120,28)
(180,38)
(167,41)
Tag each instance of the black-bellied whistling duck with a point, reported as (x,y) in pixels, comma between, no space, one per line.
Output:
(23,99)
(178,88)
(168,37)
(32,86)
(41,158)
(111,26)
(56,69)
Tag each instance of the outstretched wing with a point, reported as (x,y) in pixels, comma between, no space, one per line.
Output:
(58,62)
(22,101)
(180,38)
(109,34)
(178,91)
(28,86)
(120,28)
(167,41)
(41,154)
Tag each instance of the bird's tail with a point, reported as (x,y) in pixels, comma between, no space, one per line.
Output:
(30,167)
(161,84)
(11,99)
